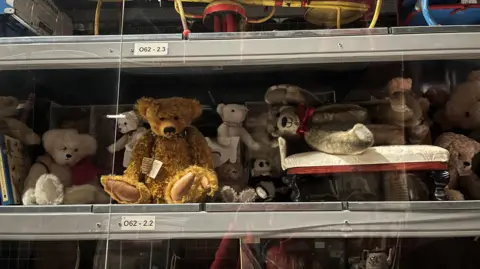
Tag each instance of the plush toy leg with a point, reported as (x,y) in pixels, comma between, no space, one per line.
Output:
(83,194)
(247,196)
(229,195)
(354,141)
(49,190)
(28,197)
(191,185)
(125,192)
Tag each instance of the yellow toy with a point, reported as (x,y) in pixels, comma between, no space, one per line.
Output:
(171,163)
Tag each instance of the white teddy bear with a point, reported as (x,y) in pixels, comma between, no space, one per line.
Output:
(129,126)
(11,126)
(233,116)
(51,180)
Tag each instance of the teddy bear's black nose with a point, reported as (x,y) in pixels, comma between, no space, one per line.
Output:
(169,130)
(466,163)
(69,155)
(284,121)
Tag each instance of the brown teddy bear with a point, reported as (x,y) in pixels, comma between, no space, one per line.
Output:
(402,119)
(462,149)
(462,109)
(171,163)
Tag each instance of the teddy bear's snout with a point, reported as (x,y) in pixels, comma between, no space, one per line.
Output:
(68,156)
(466,164)
(169,130)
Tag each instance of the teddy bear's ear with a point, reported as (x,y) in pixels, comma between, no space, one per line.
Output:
(220,109)
(89,144)
(474,76)
(52,136)
(282,108)
(142,106)
(195,109)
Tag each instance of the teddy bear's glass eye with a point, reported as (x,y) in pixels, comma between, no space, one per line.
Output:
(233,110)
(76,150)
(467,114)
(277,115)
(175,117)
(124,123)
(64,148)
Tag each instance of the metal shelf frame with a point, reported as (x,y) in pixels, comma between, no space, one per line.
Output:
(268,220)
(243,49)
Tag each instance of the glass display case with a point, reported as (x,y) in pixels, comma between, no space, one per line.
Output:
(145,136)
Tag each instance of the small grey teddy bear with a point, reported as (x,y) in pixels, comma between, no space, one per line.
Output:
(233,184)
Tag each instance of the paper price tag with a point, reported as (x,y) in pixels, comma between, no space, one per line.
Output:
(150,49)
(137,223)
(155,169)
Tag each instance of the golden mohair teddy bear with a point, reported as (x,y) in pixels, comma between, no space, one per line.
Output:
(171,163)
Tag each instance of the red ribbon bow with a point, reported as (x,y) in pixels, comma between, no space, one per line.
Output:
(304,113)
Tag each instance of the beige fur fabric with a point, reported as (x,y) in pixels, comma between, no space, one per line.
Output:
(65,148)
(13,127)
(462,149)
(463,107)
(233,117)
(130,127)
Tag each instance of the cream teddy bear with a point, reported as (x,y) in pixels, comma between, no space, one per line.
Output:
(233,116)
(129,126)
(63,175)
(13,127)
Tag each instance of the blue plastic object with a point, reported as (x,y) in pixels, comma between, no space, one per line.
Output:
(426,14)
(447,15)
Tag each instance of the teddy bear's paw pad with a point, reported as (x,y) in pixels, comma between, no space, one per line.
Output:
(182,186)
(247,196)
(122,191)
(49,190)
(205,183)
(261,192)
(228,194)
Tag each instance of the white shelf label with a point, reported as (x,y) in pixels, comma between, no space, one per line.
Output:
(150,49)
(138,223)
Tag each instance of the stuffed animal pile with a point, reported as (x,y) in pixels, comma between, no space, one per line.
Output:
(173,162)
